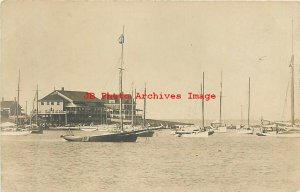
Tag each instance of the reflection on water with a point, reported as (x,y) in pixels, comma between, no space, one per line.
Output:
(224,162)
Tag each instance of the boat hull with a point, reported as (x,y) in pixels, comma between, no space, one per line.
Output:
(279,134)
(195,134)
(88,129)
(245,131)
(118,137)
(220,130)
(146,134)
(37,131)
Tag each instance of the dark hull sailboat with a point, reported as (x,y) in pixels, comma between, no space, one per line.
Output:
(114,137)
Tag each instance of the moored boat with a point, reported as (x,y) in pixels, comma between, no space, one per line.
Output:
(194,131)
(247,129)
(195,134)
(21,132)
(111,137)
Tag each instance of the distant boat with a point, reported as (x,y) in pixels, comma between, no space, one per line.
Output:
(197,131)
(146,130)
(89,129)
(121,136)
(195,134)
(193,131)
(11,129)
(37,129)
(283,129)
(247,129)
(217,126)
(290,133)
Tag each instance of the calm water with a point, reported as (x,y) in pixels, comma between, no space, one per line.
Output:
(227,162)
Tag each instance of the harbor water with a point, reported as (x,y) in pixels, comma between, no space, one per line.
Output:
(163,163)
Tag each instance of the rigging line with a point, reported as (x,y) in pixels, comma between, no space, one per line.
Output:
(285,101)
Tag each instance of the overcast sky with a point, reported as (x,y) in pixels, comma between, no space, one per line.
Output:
(167,45)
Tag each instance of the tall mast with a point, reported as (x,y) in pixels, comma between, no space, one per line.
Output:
(18,99)
(202,92)
(248,122)
(132,102)
(242,115)
(221,98)
(292,80)
(121,41)
(144,118)
(37,104)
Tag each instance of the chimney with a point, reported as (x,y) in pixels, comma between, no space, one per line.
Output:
(62,88)
(2,98)
(15,99)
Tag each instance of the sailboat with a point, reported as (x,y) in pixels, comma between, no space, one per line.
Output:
(121,135)
(217,126)
(11,129)
(195,131)
(286,129)
(36,129)
(146,130)
(247,129)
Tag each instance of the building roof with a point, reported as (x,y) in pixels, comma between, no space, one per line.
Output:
(78,96)
(52,97)
(8,104)
(71,96)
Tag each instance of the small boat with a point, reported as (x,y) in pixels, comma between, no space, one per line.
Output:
(279,134)
(247,129)
(12,129)
(278,131)
(194,131)
(89,129)
(284,129)
(146,130)
(195,134)
(218,126)
(35,128)
(39,131)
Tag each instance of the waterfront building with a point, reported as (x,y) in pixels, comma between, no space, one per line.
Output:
(62,107)
(130,111)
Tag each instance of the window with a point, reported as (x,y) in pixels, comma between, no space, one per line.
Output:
(52,103)
(58,103)
(42,103)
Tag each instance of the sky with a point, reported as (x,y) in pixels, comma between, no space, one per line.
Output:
(167,46)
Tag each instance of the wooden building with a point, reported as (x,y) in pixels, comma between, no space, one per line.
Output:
(71,107)
(113,106)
